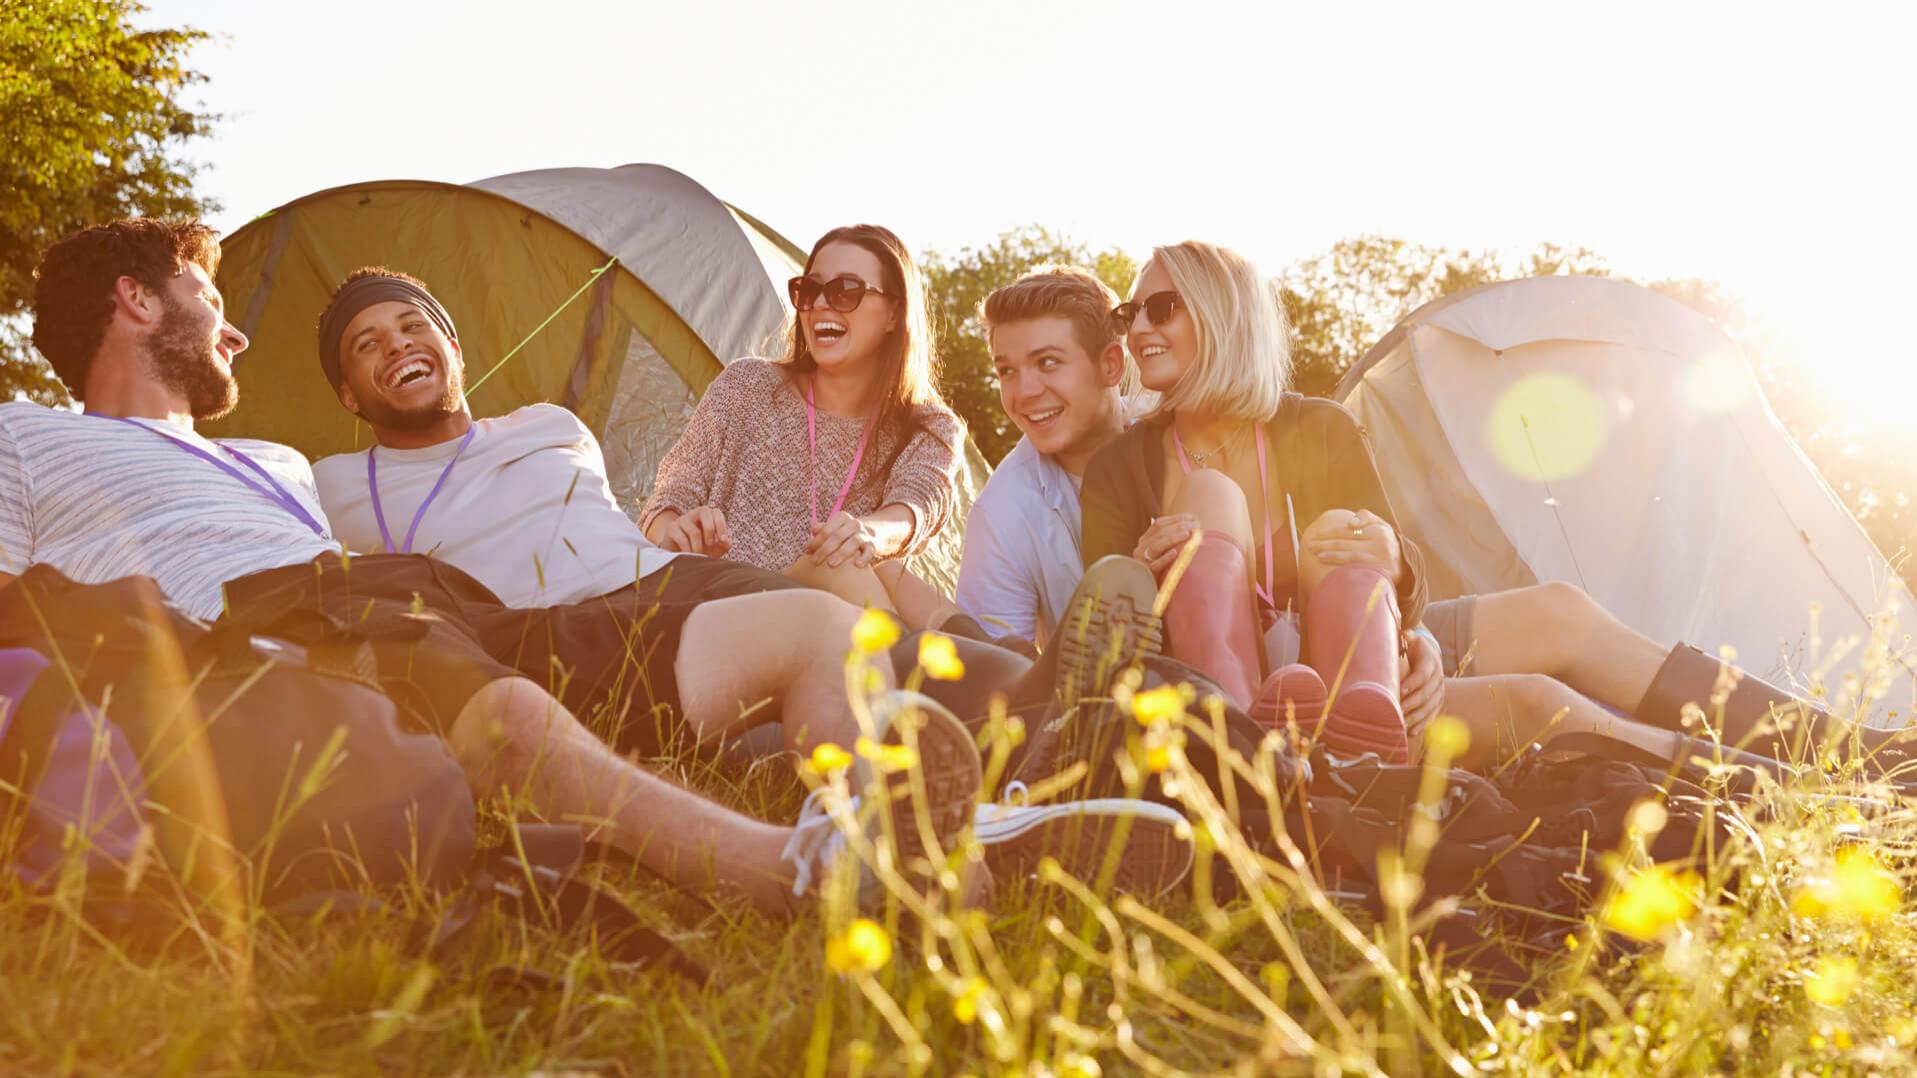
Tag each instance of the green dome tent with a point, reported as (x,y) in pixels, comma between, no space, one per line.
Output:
(624,292)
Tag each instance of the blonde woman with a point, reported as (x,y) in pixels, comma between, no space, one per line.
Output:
(1298,567)
(830,464)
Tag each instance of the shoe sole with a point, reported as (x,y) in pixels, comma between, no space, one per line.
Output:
(1108,625)
(949,763)
(1155,859)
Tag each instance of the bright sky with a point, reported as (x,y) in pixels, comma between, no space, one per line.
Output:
(1767,149)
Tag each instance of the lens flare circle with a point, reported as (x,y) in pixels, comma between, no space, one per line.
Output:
(1547,426)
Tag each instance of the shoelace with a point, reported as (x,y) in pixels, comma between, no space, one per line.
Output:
(816,841)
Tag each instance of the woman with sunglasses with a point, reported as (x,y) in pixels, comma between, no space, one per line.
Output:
(833,462)
(1297,568)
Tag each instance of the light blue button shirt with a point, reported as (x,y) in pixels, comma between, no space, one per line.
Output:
(1021,557)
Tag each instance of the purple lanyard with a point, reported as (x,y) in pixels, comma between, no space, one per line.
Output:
(812,449)
(379,514)
(1270,587)
(272,492)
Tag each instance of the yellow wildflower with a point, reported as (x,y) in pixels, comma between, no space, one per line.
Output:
(1832,982)
(1652,901)
(827,758)
(1447,737)
(1163,704)
(938,657)
(965,1006)
(875,631)
(1859,888)
(863,948)
(888,758)
(1157,759)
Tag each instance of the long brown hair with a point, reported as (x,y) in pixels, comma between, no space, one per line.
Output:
(906,351)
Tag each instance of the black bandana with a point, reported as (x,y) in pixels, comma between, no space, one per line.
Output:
(361,294)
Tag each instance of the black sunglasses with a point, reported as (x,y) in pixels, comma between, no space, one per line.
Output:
(1158,308)
(842,294)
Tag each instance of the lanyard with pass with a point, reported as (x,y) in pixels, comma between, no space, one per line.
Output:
(1268,589)
(379,513)
(812,451)
(272,491)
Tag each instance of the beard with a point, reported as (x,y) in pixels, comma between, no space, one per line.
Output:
(385,416)
(184,359)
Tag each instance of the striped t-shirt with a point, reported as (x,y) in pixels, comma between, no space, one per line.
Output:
(99,500)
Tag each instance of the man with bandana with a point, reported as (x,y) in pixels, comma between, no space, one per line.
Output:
(522,503)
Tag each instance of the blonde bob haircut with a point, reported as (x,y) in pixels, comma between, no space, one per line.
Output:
(1243,366)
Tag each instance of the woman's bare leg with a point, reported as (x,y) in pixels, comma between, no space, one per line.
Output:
(1559,630)
(1215,499)
(514,737)
(788,646)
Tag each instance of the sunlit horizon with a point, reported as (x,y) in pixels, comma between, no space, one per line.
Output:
(1755,150)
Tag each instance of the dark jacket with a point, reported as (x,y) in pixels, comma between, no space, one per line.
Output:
(1318,455)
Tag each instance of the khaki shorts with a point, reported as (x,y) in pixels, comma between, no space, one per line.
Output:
(1450,620)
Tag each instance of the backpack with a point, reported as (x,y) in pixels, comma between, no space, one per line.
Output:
(129,729)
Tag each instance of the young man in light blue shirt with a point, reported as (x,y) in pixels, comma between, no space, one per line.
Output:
(1061,370)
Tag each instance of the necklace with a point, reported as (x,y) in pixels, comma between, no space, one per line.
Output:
(1198,459)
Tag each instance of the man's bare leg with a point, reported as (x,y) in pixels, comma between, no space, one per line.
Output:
(788,646)
(889,586)
(514,737)
(1558,630)
(860,587)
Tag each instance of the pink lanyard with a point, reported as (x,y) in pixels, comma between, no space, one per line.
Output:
(1270,586)
(379,511)
(812,451)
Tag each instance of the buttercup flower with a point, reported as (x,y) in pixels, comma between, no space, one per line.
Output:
(875,631)
(864,948)
(1162,704)
(1832,982)
(888,758)
(965,1006)
(938,657)
(1858,889)
(827,758)
(1447,737)
(1652,901)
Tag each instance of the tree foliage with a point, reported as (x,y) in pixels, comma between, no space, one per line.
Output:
(1341,302)
(92,127)
(957,284)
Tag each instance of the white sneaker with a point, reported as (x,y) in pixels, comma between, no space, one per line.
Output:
(949,766)
(817,843)
(1156,858)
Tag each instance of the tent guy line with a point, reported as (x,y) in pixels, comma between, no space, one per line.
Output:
(556,312)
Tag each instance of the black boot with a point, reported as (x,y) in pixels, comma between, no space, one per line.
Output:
(1764,719)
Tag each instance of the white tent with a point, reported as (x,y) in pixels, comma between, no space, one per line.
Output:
(1594,431)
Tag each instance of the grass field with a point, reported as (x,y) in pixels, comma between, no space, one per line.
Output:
(1787,950)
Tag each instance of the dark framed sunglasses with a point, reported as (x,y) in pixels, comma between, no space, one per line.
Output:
(842,294)
(1158,308)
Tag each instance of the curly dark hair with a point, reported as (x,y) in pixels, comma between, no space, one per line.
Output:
(73,284)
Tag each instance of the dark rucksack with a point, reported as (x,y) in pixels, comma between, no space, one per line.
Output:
(128,728)
(276,747)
